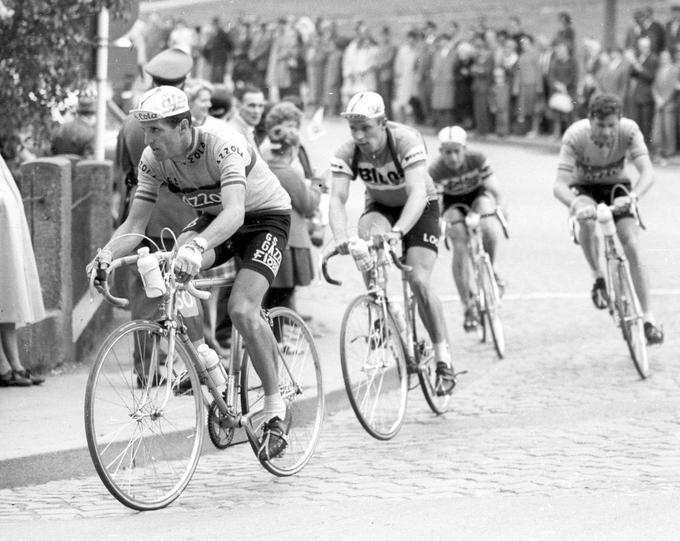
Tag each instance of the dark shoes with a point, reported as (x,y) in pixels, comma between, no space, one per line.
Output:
(653,334)
(446,379)
(599,294)
(20,378)
(274,438)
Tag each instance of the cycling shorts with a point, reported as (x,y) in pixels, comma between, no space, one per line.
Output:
(465,199)
(259,243)
(602,193)
(424,233)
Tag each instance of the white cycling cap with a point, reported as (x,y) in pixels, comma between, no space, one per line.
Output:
(161,102)
(364,105)
(452,134)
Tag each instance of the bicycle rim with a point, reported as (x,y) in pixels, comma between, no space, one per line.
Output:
(492,309)
(301,387)
(373,365)
(144,453)
(427,369)
(632,325)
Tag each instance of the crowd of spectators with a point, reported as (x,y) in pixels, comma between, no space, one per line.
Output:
(506,81)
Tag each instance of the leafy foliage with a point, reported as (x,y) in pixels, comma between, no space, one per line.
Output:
(46,49)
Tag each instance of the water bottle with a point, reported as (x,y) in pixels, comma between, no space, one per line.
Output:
(606,219)
(361,254)
(148,268)
(398,314)
(211,362)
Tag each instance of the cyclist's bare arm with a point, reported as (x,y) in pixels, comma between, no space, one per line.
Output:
(230,218)
(414,181)
(337,216)
(491,186)
(127,236)
(643,164)
(562,188)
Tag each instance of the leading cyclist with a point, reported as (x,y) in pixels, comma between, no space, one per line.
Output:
(592,161)
(210,172)
(391,160)
(465,176)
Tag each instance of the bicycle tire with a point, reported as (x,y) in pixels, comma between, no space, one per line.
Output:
(630,320)
(301,385)
(144,455)
(372,358)
(491,316)
(427,367)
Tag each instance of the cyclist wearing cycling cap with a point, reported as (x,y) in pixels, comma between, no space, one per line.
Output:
(592,162)
(243,212)
(391,160)
(465,177)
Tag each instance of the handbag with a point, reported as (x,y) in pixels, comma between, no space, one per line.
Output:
(561,102)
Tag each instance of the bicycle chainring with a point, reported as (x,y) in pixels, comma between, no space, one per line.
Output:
(221,434)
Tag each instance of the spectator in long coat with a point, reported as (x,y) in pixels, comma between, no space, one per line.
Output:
(443,65)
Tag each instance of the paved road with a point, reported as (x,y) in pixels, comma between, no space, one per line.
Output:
(560,440)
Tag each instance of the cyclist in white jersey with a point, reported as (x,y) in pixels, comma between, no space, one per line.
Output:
(243,212)
(592,161)
(391,160)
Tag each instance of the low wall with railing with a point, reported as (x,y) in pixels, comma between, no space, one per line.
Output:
(68,209)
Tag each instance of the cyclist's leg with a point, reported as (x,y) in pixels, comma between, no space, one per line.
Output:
(628,232)
(590,245)
(490,227)
(460,262)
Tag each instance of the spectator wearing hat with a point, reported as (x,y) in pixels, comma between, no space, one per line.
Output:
(221,102)
(76,136)
(169,67)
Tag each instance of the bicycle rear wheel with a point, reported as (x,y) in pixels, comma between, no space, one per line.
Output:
(373,365)
(144,449)
(427,368)
(490,313)
(630,319)
(301,387)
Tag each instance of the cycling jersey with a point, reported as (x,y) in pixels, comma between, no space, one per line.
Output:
(380,174)
(468,177)
(590,163)
(211,163)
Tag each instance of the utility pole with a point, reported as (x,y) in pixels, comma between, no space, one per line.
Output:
(102,68)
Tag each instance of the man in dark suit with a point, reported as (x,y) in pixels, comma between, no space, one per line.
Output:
(643,70)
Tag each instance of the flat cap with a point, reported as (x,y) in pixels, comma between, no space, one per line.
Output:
(169,67)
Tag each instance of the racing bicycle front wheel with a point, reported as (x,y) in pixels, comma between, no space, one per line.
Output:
(490,314)
(373,364)
(144,437)
(630,320)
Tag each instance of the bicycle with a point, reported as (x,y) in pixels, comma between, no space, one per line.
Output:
(377,356)
(486,292)
(145,440)
(623,303)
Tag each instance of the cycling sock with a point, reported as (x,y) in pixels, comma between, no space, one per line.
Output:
(442,353)
(274,406)
(649,318)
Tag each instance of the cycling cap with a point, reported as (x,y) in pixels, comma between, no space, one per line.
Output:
(364,105)
(452,134)
(161,102)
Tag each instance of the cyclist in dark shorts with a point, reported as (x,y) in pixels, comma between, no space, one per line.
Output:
(465,176)
(391,160)
(592,161)
(209,172)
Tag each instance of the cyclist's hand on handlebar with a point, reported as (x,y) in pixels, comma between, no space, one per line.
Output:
(188,262)
(98,265)
(394,238)
(623,202)
(343,247)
